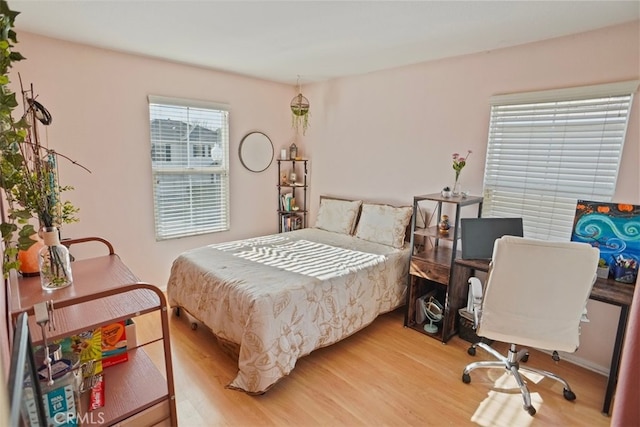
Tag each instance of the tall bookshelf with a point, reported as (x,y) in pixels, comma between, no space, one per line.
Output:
(292,194)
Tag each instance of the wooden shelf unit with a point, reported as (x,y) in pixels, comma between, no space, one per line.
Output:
(105,291)
(299,189)
(431,265)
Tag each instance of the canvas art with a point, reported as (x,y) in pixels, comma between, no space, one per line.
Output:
(613,228)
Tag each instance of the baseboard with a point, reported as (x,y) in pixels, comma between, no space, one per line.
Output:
(583,363)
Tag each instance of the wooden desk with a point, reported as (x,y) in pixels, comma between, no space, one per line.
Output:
(604,290)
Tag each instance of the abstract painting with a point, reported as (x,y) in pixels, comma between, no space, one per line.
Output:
(613,228)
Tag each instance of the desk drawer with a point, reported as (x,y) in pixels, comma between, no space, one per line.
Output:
(430,270)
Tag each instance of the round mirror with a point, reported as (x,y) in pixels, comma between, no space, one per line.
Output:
(256,151)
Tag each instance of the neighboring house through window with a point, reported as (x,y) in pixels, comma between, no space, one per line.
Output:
(189,162)
(548,149)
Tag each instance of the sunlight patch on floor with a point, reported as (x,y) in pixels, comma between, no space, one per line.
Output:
(505,408)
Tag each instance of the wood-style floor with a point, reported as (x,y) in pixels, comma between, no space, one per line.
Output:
(385,375)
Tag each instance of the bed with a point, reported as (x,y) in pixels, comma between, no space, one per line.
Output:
(276,298)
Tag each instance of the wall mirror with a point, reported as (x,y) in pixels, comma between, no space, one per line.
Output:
(256,151)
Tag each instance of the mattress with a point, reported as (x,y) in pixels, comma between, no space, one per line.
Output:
(281,296)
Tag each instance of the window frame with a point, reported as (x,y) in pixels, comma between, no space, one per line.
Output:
(190,195)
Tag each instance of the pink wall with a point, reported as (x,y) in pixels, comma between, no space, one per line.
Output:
(385,136)
(98,99)
(389,135)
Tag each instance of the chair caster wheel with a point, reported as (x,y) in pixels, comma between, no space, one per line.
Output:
(466,378)
(555,356)
(568,394)
(194,326)
(525,358)
(531,410)
(471,351)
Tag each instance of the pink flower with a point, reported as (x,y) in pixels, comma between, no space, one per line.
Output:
(459,162)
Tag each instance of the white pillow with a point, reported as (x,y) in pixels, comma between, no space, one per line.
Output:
(384,224)
(338,216)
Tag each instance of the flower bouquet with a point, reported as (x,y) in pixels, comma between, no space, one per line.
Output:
(459,162)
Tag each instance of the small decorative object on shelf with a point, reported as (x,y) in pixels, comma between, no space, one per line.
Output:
(446,192)
(603,269)
(29,258)
(433,311)
(54,261)
(283,154)
(459,163)
(293,151)
(625,269)
(443,225)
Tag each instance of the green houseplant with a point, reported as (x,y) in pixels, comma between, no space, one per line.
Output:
(300,113)
(28,170)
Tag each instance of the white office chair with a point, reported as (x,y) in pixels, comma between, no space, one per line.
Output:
(535,295)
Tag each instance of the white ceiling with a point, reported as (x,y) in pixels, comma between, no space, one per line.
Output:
(316,40)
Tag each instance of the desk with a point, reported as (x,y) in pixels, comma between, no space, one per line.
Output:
(604,290)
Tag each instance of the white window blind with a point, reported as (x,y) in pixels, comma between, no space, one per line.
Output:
(548,149)
(190,166)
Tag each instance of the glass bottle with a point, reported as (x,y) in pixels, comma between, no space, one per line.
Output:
(457,188)
(60,393)
(54,261)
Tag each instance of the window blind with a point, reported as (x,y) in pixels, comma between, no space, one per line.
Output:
(548,149)
(190,165)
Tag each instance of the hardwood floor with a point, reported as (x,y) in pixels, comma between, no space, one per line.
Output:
(383,375)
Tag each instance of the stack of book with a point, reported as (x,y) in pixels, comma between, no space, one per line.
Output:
(291,222)
(287,202)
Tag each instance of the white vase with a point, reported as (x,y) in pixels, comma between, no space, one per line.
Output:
(54,261)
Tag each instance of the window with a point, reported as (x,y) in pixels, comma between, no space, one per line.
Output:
(548,149)
(201,150)
(189,162)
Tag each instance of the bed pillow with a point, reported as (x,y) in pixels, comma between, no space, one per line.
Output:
(338,216)
(384,224)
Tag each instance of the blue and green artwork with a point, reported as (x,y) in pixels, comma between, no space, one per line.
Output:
(613,228)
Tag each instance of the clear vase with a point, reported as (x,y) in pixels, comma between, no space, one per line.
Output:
(456,188)
(54,261)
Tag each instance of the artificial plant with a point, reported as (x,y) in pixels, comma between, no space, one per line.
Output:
(28,171)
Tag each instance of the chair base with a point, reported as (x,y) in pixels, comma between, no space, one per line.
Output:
(512,364)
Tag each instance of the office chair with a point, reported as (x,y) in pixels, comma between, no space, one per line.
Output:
(535,295)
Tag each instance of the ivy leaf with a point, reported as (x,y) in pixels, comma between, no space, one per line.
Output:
(7,230)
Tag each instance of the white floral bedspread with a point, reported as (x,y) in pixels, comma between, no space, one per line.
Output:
(281,296)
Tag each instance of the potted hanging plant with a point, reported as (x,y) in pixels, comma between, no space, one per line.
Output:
(29,175)
(300,113)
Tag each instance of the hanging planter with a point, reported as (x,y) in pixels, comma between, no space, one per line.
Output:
(300,113)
